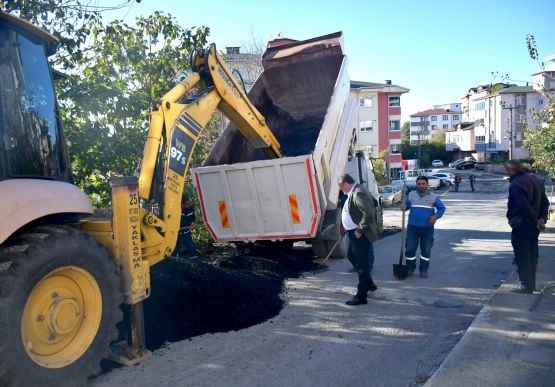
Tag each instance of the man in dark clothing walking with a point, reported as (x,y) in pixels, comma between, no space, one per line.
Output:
(525,212)
(184,237)
(359,221)
(472,181)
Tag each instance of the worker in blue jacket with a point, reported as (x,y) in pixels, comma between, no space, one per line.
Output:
(425,209)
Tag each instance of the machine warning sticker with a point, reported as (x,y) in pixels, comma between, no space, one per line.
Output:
(180,151)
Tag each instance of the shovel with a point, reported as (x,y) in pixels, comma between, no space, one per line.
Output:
(399,270)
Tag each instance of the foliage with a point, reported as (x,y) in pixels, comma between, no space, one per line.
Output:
(73,22)
(405,133)
(105,106)
(380,169)
(429,150)
(541,141)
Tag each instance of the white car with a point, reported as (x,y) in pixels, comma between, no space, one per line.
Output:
(433,182)
(447,178)
(437,163)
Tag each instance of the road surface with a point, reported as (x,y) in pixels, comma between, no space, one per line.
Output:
(319,341)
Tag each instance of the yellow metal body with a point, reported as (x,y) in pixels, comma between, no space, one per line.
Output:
(145,222)
(61,317)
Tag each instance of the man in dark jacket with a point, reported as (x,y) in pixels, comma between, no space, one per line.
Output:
(359,221)
(525,213)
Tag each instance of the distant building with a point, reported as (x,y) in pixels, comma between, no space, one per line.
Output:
(424,124)
(494,117)
(544,79)
(378,120)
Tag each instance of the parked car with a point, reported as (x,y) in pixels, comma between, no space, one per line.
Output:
(437,163)
(447,179)
(470,158)
(433,182)
(454,163)
(480,166)
(465,165)
(390,194)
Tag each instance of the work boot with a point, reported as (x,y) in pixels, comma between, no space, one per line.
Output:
(357,300)
(373,288)
(523,290)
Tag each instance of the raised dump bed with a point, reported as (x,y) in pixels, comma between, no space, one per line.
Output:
(303,93)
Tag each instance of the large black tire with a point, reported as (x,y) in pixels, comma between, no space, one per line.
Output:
(24,261)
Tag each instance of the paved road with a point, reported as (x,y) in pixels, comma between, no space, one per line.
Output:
(318,341)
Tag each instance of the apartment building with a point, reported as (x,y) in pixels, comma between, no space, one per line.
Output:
(494,117)
(424,124)
(378,120)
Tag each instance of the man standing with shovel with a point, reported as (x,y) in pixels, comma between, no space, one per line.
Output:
(425,209)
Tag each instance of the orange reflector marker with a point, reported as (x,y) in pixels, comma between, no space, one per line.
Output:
(223,214)
(294,209)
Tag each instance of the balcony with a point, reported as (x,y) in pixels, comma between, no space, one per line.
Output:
(421,132)
(420,123)
(480,146)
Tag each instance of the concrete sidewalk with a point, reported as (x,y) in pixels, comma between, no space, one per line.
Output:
(511,342)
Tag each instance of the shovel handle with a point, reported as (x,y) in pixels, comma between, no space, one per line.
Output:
(403,202)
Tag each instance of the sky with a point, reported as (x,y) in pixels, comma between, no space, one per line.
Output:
(437,49)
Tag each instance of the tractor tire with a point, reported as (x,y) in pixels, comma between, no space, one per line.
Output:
(60,297)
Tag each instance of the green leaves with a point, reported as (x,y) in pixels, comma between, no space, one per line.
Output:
(114,71)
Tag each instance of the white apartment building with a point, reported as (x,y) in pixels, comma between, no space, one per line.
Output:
(493,120)
(441,118)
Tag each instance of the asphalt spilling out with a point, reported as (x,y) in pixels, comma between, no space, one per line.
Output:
(228,289)
(224,291)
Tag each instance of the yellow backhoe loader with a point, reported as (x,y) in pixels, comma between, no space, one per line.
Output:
(66,277)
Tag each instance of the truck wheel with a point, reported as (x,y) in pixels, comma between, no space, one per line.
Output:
(60,297)
(341,249)
(379,220)
(320,249)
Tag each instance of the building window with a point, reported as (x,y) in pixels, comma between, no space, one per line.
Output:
(521,100)
(479,122)
(434,127)
(519,136)
(455,117)
(480,106)
(395,125)
(366,126)
(414,142)
(395,101)
(480,138)
(445,117)
(434,118)
(366,102)
(445,126)
(395,149)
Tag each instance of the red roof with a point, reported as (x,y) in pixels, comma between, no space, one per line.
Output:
(433,112)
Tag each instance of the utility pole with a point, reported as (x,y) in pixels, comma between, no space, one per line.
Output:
(510,131)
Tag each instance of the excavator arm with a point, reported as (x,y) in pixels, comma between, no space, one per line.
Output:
(146,211)
(175,128)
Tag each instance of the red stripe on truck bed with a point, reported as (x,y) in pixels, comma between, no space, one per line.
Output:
(313,195)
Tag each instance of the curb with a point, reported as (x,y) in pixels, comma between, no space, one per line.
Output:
(472,327)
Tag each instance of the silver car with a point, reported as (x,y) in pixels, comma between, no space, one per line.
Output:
(390,194)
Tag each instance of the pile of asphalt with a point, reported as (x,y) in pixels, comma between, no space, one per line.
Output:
(226,290)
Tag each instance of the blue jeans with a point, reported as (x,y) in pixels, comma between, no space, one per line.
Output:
(186,240)
(415,236)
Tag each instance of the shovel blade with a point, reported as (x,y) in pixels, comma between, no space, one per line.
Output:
(400,271)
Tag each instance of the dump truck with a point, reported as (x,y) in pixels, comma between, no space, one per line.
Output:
(303,92)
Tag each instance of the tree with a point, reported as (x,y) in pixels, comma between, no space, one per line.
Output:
(405,133)
(105,105)
(541,141)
